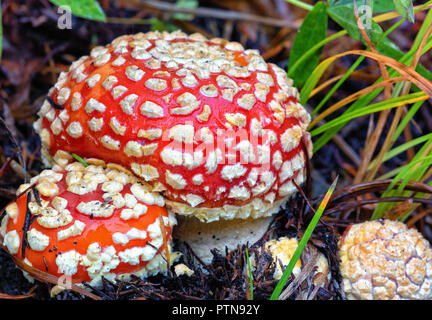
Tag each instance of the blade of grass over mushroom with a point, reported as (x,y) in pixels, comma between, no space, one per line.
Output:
(77,157)
(312,31)
(88,9)
(250,276)
(302,244)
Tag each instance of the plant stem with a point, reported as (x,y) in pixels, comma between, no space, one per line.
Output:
(300,4)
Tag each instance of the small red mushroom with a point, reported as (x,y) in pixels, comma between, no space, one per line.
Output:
(89,222)
(212,124)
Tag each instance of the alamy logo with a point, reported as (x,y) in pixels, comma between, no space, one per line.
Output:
(65,281)
(65,19)
(365,16)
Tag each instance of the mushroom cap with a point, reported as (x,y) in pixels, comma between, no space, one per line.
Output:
(185,114)
(383,260)
(282,250)
(89,222)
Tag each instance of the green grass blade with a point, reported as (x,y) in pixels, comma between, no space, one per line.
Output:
(312,50)
(380,106)
(405,175)
(403,147)
(337,85)
(297,253)
(249,273)
(78,158)
(404,58)
(300,4)
(363,101)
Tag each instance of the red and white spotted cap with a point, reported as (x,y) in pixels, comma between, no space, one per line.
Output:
(384,260)
(89,222)
(211,124)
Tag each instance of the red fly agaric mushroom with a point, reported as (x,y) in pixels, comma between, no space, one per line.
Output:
(89,222)
(213,125)
(383,260)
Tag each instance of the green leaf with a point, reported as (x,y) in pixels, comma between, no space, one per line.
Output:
(312,31)
(378,6)
(186,4)
(345,17)
(405,8)
(88,9)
